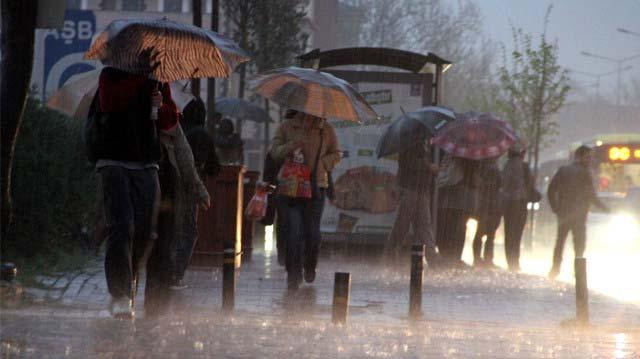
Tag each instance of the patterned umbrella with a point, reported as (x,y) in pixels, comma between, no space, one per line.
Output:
(411,128)
(314,92)
(476,136)
(182,51)
(239,108)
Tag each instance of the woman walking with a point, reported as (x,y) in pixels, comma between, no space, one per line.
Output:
(488,213)
(314,142)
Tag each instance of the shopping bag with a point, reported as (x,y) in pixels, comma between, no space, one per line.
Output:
(257,207)
(294,180)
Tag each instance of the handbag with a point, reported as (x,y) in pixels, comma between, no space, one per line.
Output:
(257,207)
(533,195)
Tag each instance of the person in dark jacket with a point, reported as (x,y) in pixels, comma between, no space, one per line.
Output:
(229,145)
(206,165)
(571,193)
(415,179)
(127,151)
(488,214)
(457,200)
(517,186)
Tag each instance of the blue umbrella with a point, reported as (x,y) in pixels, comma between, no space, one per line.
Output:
(411,128)
(241,109)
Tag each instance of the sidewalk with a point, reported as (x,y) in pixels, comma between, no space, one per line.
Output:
(474,311)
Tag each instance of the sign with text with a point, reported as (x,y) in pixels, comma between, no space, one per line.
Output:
(377,97)
(64,48)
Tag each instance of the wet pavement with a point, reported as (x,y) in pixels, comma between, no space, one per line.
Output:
(467,313)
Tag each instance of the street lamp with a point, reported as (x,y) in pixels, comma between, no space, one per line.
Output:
(599,76)
(619,63)
(628,32)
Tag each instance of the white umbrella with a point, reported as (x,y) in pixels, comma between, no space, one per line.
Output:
(74,98)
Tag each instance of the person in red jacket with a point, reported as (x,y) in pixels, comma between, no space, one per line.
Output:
(132,109)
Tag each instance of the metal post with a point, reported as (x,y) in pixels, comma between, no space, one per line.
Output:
(582,292)
(417,272)
(228,278)
(211,82)
(197,21)
(341,290)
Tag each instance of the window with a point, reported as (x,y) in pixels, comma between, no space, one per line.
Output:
(172,5)
(109,5)
(74,4)
(133,5)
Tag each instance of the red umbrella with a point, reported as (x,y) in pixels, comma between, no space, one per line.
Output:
(475,136)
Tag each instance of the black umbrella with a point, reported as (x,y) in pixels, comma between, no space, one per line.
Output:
(411,128)
(241,109)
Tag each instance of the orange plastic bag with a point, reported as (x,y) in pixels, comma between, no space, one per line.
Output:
(257,207)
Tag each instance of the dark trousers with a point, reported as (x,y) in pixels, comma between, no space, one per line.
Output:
(281,228)
(186,244)
(487,226)
(303,235)
(452,228)
(578,227)
(515,217)
(129,199)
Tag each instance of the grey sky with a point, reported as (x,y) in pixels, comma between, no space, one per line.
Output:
(579,25)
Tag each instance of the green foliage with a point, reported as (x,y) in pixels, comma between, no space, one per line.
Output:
(532,88)
(53,188)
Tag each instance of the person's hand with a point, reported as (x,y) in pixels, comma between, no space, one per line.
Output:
(156,99)
(148,60)
(434,168)
(204,203)
(296,144)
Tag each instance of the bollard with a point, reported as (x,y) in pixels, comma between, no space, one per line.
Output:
(415,290)
(228,279)
(341,290)
(582,291)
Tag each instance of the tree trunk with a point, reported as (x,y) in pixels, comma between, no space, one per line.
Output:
(18,32)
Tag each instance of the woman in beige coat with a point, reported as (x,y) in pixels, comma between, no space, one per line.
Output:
(318,143)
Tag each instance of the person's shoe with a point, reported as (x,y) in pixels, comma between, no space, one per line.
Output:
(460,264)
(479,263)
(309,275)
(178,284)
(553,274)
(293,284)
(490,265)
(122,308)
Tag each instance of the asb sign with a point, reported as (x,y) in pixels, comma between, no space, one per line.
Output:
(64,48)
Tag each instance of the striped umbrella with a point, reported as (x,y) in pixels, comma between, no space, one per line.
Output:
(314,92)
(181,51)
(475,136)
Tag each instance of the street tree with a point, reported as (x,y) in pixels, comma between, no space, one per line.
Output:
(18,29)
(533,87)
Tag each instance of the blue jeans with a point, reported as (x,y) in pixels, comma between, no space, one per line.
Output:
(303,234)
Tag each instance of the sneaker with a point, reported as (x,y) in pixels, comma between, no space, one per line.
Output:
(309,275)
(122,308)
(293,284)
(177,284)
(553,273)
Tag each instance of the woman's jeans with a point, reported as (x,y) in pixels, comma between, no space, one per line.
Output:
(303,234)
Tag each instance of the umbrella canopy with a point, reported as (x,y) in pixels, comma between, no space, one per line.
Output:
(476,136)
(239,108)
(411,128)
(74,98)
(314,92)
(182,51)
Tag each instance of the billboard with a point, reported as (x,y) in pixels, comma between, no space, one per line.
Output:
(365,186)
(64,48)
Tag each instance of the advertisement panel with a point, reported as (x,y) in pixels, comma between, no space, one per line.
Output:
(365,186)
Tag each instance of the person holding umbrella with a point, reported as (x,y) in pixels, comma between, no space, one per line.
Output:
(307,139)
(472,137)
(489,212)
(316,140)
(134,104)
